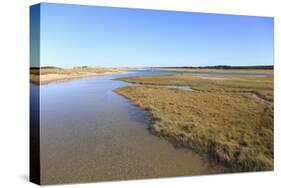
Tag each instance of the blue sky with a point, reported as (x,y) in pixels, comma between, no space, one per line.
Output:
(73,35)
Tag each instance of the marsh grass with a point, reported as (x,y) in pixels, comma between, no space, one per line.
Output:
(220,118)
(263,86)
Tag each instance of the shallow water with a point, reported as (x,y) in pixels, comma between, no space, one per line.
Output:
(89,133)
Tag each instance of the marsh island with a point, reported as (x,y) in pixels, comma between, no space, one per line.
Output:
(227,117)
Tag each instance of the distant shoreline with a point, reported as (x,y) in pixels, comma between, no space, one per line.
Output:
(45,75)
(225,67)
(50,78)
(215,70)
(49,74)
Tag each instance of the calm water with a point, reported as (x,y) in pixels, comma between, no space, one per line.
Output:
(89,133)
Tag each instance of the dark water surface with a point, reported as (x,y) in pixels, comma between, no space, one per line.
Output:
(90,133)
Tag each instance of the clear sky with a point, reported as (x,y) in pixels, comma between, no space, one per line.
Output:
(73,35)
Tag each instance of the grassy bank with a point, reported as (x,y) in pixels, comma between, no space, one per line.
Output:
(222,118)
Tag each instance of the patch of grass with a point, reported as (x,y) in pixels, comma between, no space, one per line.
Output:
(219,118)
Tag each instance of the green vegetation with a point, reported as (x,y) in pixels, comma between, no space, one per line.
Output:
(231,120)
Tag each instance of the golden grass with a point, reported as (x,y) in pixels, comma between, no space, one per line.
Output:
(219,118)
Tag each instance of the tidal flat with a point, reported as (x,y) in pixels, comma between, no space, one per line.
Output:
(229,119)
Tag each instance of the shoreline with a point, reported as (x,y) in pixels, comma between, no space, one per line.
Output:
(50,74)
(51,78)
